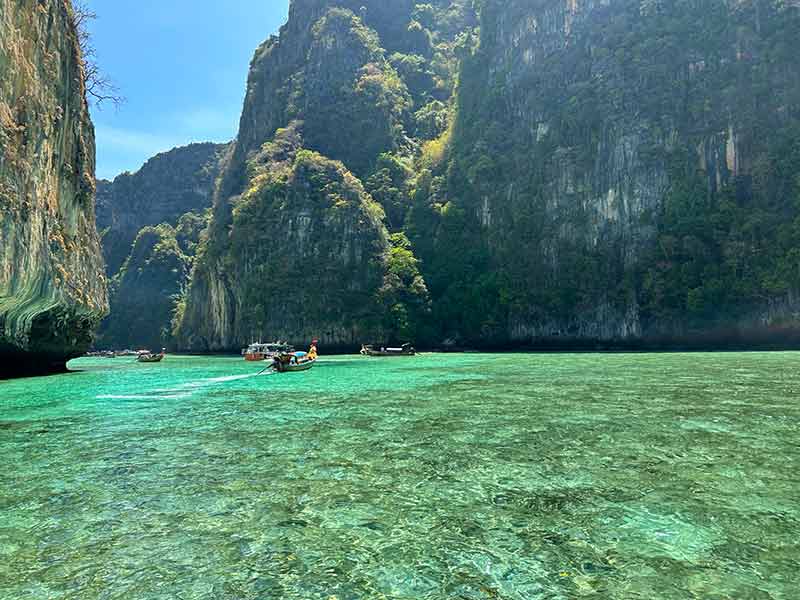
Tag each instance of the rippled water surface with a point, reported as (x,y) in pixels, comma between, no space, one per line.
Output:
(460,476)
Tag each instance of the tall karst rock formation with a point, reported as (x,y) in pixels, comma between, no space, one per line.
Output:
(150,223)
(618,172)
(167,187)
(337,106)
(621,172)
(52,285)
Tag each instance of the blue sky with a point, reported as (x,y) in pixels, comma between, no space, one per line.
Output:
(182,67)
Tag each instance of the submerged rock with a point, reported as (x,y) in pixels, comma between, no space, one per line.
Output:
(52,285)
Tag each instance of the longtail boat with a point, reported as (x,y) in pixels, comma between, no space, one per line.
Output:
(149,357)
(404,350)
(294,362)
(293,367)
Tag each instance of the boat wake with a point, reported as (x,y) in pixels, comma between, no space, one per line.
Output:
(201,383)
(177,392)
(171,396)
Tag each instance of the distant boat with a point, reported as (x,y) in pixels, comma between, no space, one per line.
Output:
(259,352)
(404,350)
(149,357)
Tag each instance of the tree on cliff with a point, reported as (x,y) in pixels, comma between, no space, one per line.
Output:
(99,87)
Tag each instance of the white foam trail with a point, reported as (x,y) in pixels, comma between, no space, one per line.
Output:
(229,378)
(179,391)
(140,397)
(207,382)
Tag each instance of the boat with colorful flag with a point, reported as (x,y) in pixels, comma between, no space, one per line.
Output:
(293,362)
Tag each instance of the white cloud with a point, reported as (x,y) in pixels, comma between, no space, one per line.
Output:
(124,149)
(119,140)
(208,123)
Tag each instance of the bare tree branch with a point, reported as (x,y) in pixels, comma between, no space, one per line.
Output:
(99,87)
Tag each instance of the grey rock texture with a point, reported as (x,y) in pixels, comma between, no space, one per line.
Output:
(52,284)
(580,123)
(325,85)
(169,185)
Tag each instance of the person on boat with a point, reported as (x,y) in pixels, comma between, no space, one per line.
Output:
(312,352)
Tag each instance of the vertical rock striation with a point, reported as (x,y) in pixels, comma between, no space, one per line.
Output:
(297,247)
(610,162)
(168,186)
(52,285)
(609,172)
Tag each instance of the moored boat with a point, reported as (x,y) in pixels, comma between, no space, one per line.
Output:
(149,357)
(259,352)
(404,350)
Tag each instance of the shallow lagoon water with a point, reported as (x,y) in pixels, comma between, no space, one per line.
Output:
(560,476)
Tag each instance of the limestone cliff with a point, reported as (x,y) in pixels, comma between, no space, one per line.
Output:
(620,171)
(612,172)
(52,285)
(146,292)
(326,83)
(150,223)
(307,257)
(169,185)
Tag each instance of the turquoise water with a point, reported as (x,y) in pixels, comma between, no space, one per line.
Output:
(460,476)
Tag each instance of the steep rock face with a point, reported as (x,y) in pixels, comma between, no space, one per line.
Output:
(333,65)
(166,187)
(311,71)
(326,83)
(609,165)
(151,222)
(307,258)
(146,291)
(52,286)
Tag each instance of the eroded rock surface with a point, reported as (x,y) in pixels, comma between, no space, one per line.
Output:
(52,285)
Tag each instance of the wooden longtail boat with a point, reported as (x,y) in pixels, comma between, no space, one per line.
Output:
(294,362)
(281,367)
(404,350)
(151,358)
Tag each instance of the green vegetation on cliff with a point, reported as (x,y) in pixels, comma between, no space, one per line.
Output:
(147,290)
(307,254)
(618,173)
(308,223)
(568,173)
(52,286)
(337,110)
(718,255)
(165,207)
(166,187)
